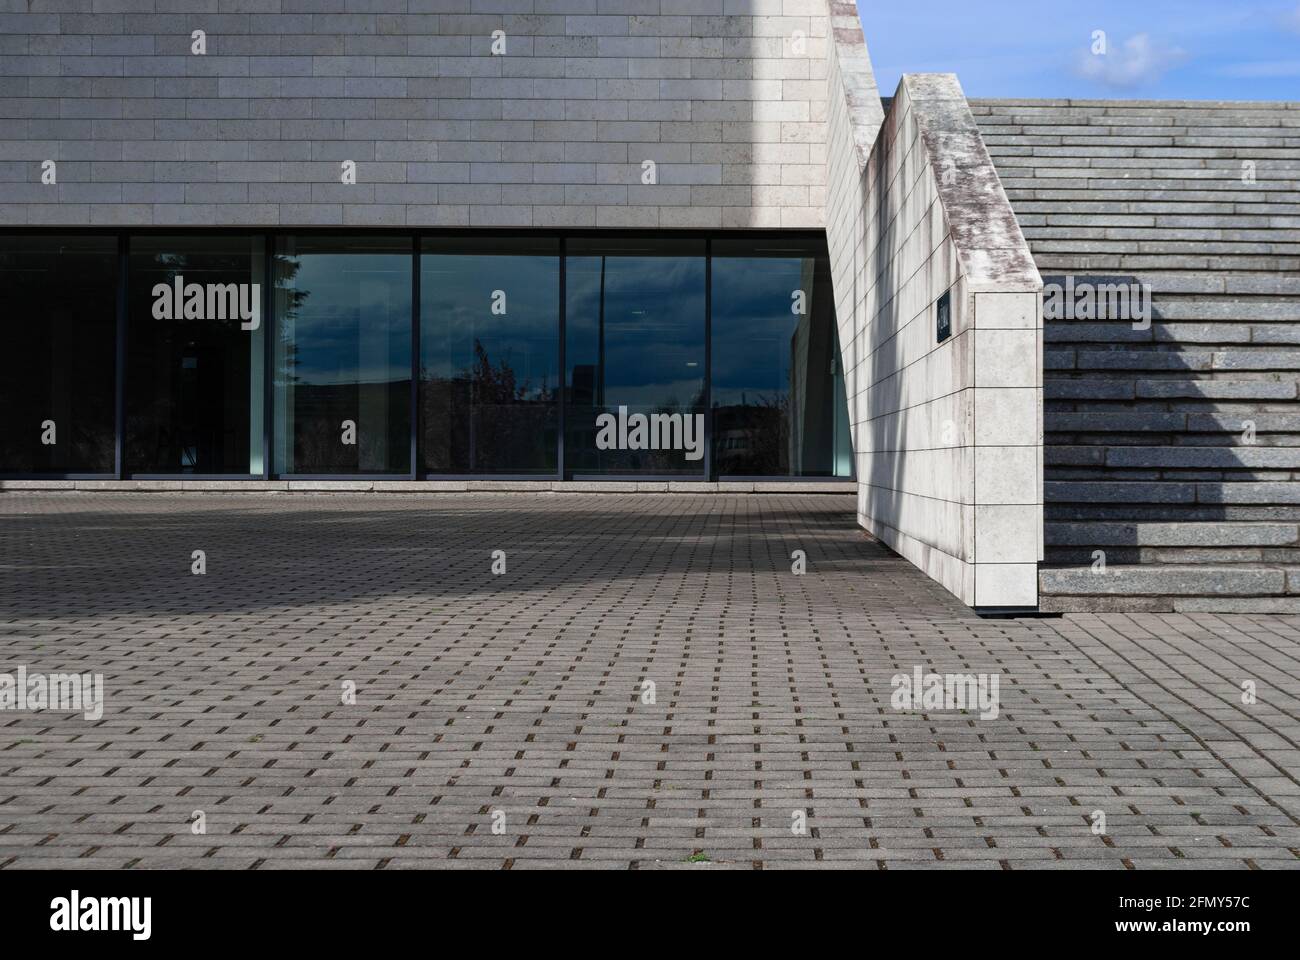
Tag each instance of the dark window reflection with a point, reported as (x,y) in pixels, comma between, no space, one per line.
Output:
(194,377)
(489,356)
(777,391)
(490,387)
(635,357)
(342,355)
(57,365)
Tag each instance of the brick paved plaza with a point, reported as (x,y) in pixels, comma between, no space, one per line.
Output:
(515,700)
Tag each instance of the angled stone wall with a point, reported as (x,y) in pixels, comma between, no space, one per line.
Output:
(947,430)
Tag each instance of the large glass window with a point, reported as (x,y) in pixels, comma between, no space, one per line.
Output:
(635,356)
(489,355)
(343,355)
(777,391)
(57,368)
(673,355)
(194,369)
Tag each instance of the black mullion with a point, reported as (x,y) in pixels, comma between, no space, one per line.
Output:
(564,376)
(268,352)
(708,359)
(119,360)
(415,357)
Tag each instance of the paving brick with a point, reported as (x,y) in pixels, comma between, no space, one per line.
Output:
(521,693)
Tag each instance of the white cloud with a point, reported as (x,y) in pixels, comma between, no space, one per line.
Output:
(1138,62)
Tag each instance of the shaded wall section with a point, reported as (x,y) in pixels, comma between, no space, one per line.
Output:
(947,429)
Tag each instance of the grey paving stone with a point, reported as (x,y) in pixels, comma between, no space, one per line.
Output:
(521,693)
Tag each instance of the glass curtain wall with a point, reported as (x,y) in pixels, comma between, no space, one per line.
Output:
(342,355)
(195,359)
(386,354)
(777,392)
(490,356)
(635,357)
(57,369)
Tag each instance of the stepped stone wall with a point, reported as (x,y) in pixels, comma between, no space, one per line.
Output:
(1173,448)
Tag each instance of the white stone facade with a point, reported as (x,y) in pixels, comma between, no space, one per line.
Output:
(947,434)
(491,113)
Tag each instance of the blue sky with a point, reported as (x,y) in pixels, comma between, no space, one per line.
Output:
(1192,49)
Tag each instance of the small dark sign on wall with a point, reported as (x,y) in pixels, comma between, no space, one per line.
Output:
(943,315)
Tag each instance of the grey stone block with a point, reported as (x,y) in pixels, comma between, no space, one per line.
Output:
(1194,457)
(1171,534)
(1263,493)
(1164,581)
(1218,389)
(1088,389)
(1257,360)
(1120,422)
(1110,491)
